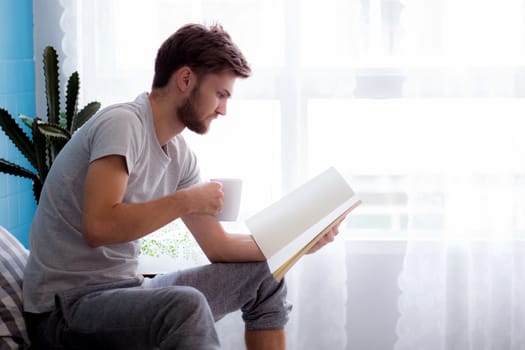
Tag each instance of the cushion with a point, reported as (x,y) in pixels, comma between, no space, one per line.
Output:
(13,257)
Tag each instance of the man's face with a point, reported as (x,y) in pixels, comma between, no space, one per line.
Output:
(206,101)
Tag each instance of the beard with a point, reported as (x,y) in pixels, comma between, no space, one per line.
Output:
(189,115)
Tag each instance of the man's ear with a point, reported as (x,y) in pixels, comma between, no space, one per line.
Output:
(184,78)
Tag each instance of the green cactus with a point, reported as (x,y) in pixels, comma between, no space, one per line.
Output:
(49,137)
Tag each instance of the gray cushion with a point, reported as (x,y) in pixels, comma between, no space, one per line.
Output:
(13,257)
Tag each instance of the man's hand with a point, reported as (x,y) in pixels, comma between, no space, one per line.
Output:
(205,198)
(327,238)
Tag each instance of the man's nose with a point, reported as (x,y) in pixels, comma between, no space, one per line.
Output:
(221,108)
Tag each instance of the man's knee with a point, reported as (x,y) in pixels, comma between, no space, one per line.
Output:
(188,320)
(270,309)
(188,300)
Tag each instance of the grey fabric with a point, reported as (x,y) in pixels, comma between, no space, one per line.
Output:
(228,287)
(13,256)
(173,311)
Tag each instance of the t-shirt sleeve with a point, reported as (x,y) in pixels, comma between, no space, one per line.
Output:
(190,171)
(119,132)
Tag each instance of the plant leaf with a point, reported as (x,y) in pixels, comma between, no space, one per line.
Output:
(63,120)
(39,142)
(17,136)
(54,131)
(71,98)
(28,121)
(10,168)
(84,115)
(58,137)
(52,84)
(37,189)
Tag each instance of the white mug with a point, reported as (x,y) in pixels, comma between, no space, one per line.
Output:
(232,189)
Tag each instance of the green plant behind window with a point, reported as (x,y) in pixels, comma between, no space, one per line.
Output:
(47,137)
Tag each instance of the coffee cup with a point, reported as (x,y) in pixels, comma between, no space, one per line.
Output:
(232,189)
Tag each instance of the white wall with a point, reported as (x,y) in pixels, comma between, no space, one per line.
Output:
(47,31)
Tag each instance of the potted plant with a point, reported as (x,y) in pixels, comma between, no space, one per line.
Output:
(47,137)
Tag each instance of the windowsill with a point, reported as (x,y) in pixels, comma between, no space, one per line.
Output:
(175,248)
(155,265)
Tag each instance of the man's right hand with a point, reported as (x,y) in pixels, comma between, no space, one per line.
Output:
(205,198)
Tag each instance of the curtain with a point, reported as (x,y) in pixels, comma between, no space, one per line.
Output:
(464,290)
(462,295)
(418,102)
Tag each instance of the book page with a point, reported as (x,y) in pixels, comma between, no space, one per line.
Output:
(284,227)
(279,269)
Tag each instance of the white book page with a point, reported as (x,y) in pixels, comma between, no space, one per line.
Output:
(283,255)
(299,216)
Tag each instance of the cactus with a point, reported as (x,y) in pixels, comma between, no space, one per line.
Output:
(49,137)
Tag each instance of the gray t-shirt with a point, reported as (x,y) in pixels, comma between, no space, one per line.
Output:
(59,258)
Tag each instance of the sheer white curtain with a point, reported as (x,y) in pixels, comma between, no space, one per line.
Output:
(466,290)
(463,287)
(418,102)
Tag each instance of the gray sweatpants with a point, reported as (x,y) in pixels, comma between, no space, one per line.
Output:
(172,311)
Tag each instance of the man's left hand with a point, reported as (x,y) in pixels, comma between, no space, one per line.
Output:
(327,238)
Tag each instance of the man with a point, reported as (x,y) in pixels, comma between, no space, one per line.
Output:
(124,174)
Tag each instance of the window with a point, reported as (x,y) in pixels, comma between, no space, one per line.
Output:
(418,103)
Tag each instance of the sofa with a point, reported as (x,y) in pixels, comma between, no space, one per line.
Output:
(13,257)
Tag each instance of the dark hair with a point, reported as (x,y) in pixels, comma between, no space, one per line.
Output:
(205,50)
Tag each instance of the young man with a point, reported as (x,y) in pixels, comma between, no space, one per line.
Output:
(124,174)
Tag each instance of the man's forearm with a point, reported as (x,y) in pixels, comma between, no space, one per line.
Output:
(125,222)
(238,248)
(219,245)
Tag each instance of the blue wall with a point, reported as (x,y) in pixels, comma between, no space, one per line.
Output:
(17,95)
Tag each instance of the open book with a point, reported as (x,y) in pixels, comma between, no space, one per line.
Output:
(287,229)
